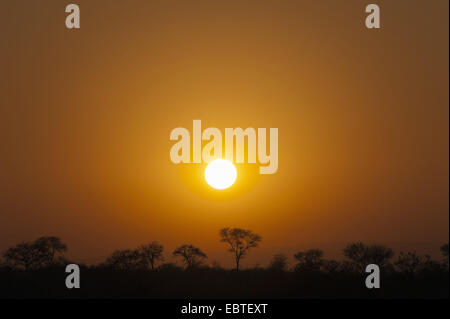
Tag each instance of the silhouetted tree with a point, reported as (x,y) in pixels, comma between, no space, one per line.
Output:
(362,255)
(278,263)
(310,260)
(127,259)
(357,253)
(191,255)
(240,241)
(408,263)
(151,253)
(38,254)
(49,247)
(23,255)
(380,255)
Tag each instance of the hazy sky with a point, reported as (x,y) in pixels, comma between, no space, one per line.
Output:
(85,118)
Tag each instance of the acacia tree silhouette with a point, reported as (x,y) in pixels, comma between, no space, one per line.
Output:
(151,253)
(240,241)
(191,255)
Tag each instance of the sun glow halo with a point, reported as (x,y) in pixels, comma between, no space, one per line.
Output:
(220,174)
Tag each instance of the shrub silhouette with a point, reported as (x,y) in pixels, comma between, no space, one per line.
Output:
(278,263)
(169,267)
(331,266)
(310,260)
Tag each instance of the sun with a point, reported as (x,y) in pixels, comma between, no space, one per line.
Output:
(220,174)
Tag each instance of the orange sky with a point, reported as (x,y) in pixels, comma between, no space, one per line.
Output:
(86,116)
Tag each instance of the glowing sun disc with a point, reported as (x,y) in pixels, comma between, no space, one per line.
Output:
(220,174)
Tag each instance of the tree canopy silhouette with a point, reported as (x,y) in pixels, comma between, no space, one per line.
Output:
(408,263)
(23,255)
(191,255)
(151,253)
(310,260)
(43,252)
(126,260)
(362,255)
(240,242)
(49,247)
(143,257)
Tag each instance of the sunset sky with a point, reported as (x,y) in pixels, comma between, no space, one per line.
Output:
(363,120)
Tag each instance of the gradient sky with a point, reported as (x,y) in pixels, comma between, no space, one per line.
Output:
(85,118)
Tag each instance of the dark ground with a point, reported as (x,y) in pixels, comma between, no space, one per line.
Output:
(210,283)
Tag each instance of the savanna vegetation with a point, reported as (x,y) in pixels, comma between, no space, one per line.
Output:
(37,270)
